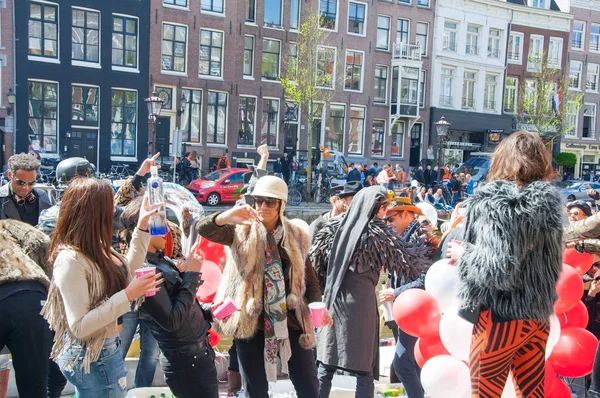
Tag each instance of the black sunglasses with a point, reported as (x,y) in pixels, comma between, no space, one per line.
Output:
(22,183)
(271,203)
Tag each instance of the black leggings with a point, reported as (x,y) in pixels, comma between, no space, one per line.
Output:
(234,365)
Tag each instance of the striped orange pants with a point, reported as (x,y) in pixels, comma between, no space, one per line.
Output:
(498,348)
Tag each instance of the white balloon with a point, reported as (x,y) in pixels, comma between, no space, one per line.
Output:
(445,376)
(441,282)
(509,388)
(428,211)
(554,335)
(455,334)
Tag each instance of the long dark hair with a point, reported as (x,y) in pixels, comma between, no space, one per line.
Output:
(85,224)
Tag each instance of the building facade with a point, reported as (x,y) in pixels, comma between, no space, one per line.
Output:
(584,69)
(7,111)
(82,76)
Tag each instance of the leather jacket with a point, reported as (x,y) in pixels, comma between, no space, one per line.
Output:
(174,316)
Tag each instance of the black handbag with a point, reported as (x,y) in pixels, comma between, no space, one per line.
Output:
(470,313)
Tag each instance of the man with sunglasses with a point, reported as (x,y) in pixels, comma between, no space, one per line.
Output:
(578,210)
(19,199)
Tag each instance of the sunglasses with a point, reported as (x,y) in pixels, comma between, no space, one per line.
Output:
(574,213)
(390,219)
(425,223)
(23,183)
(271,203)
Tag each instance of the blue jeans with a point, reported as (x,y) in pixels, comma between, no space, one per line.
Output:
(107,377)
(405,365)
(364,382)
(149,351)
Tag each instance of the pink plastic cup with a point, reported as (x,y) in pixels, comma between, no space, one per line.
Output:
(143,271)
(457,242)
(227,308)
(317,313)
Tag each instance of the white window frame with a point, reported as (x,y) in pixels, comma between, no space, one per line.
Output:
(213,13)
(424,51)
(514,88)
(596,68)
(537,3)
(277,122)
(189,104)
(251,75)
(187,44)
(337,17)
(123,158)
(385,126)
(451,77)
(364,128)
(89,64)
(362,70)
(571,64)
(253,145)
(533,66)
(129,69)
(299,17)
(558,64)
(510,59)
(447,33)
(497,39)
(210,77)
(592,136)
(466,83)
(325,126)
(423,89)
(364,34)
(401,151)
(186,8)
(469,50)
(212,144)
(422,5)
(279,63)
(74,122)
(280,27)
(334,66)
(582,42)
(531,91)
(597,36)
(52,154)
(41,58)
(572,119)
(389,18)
(486,99)
(387,79)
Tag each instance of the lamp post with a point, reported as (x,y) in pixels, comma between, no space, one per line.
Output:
(154,103)
(442,132)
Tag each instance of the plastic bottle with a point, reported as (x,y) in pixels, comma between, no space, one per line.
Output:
(158,224)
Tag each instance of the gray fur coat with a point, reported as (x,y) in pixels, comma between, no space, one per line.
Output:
(513,249)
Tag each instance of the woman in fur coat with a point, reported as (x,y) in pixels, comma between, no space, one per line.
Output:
(509,268)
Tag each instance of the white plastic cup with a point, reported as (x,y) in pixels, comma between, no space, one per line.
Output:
(143,271)
(227,308)
(317,313)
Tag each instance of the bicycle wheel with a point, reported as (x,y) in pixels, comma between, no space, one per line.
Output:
(294,197)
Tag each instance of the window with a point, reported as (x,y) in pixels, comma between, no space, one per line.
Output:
(423,3)
(489,92)
(356,18)
(270,59)
(422,32)
(402,30)
(530,97)
(409,89)
(555,52)
(354,64)
(166,94)
(270,122)
(494,43)
(472,47)
(589,121)
(328,14)
(334,131)
(510,95)
(593,71)
(404,1)
(326,66)
(43,116)
(211,53)
(398,140)
(446,89)
(578,34)
(248,55)
(536,49)
(575,74)
(85,35)
(123,123)
(515,48)
(273,13)
(449,43)
(216,119)
(174,48)
(381,75)
(178,3)
(84,105)
(383,32)
(538,3)
(247,121)
(217,6)
(294,14)
(292,66)
(125,41)
(191,118)
(378,138)
(357,130)
(469,82)
(422,89)
(251,15)
(43,30)
(572,119)
(594,37)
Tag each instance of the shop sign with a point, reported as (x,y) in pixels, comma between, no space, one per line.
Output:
(582,146)
(494,136)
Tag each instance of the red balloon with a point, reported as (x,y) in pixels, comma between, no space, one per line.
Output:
(582,262)
(211,277)
(418,356)
(569,289)
(576,317)
(560,390)
(214,338)
(212,251)
(573,355)
(550,379)
(431,347)
(417,313)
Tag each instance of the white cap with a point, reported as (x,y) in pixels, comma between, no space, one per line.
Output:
(153,170)
(271,187)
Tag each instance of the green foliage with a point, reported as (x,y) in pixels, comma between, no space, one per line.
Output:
(566,159)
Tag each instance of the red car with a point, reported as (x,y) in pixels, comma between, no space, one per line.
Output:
(220,186)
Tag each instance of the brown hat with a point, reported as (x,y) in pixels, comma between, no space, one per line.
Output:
(399,203)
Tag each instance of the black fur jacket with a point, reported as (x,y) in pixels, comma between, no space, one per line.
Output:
(513,249)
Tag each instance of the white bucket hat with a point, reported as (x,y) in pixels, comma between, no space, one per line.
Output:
(271,187)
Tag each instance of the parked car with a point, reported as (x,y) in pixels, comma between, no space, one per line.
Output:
(478,166)
(220,186)
(578,190)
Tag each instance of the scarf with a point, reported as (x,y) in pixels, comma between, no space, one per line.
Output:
(275,309)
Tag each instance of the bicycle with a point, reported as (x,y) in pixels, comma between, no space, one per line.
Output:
(120,172)
(297,193)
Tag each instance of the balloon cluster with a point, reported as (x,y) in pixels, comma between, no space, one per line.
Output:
(442,350)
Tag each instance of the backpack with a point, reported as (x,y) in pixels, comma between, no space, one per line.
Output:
(222,163)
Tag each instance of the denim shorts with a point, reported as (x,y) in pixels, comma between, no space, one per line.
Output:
(107,377)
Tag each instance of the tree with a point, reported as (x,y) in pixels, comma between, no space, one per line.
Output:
(305,82)
(565,159)
(545,101)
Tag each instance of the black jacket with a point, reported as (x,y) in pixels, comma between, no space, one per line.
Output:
(9,209)
(428,176)
(278,167)
(353,175)
(174,316)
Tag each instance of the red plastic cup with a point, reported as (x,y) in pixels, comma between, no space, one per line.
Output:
(143,271)
(227,308)
(317,313)
(457,242)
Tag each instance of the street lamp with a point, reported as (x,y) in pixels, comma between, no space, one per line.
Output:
(182,105)
(442,131)
(154,103)
(12,98)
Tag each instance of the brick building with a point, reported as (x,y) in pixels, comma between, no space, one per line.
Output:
(7,111)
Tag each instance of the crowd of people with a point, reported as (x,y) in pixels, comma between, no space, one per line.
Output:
(70,300)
